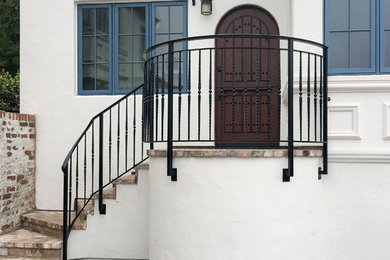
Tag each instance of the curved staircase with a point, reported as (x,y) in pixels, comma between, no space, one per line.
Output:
(40,232)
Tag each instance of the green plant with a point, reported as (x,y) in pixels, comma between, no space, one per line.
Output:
(9,91)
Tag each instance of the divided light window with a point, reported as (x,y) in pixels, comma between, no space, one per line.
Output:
(112,39)
(358,35)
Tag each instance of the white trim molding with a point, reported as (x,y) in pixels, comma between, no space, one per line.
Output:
(359,84)
(359,157)
(386,121)
(352,134)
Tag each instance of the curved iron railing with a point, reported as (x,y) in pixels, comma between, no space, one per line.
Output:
(237,90)
(252,78)
(108,148)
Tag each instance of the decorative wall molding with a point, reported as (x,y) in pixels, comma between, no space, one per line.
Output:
(386,120)
(359,157)
(351,133)
(354,84)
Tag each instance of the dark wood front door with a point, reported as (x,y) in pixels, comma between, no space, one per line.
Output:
(247,81)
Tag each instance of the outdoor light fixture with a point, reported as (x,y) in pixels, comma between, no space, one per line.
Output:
(206,7)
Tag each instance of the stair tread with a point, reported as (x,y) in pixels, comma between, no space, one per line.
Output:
(23,238)
(51,219)
(128,179)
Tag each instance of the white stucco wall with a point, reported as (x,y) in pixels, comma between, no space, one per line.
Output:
(122,232)
(238,208)
(359,116)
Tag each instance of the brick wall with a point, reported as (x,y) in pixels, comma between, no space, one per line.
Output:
(17,168)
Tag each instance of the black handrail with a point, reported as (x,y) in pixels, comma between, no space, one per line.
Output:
(70,215)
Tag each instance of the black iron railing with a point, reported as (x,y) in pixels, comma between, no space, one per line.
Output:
(228,90)
(225,90)
(109,147)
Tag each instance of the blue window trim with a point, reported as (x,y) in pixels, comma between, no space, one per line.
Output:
(373,47)
(381,35)
(80,50)
(113,43)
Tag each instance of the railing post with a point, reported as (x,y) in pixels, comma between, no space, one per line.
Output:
(170,170)
(325,130)
(102,207)
(287,173)
(65,217)
(151,85)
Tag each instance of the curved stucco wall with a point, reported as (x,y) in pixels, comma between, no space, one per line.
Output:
(238,208)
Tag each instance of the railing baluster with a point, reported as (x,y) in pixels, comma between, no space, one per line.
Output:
(134,124)
(126,132)
(157,91)
(321,98)
(189,97)
(315,97)
(257,93)
(162,97)
(289,172)
(110,146)
(93,156)
(77,178)
(269,91)
(279,91)
(102,207)
(300,96)
(118,140)
(65,215)
(70,190)
(308,97)
(245,95)
(325,100)
(234,93)
(199,90)
(222,96)
(85,168)
(210,92)
(180,87)
(171,171)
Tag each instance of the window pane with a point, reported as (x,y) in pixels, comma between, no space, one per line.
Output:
(88,49)
(360,49)
(176,19)
(138,74)
(386,13)
(338,14)
(163,49)
(102,21)
(387,44)
(124,48)
(162,19)
(102,79)
(139,20)
(124,76)
(360,14)
(338,52)
(88,77)
(138,47)
(88,21)
(124,20)
(103,49)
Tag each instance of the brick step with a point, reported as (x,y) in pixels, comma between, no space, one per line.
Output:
(48,222)
(26,244)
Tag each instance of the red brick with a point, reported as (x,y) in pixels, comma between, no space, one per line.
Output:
(12,178)
(8,135)
(31,124)
(24,181)
(14,135)
(24,136)
(4,123)
(32,136)
(6,196)
(9,154)
(14,147)
(27,152)
(20,177)
(23,124)
(10,189)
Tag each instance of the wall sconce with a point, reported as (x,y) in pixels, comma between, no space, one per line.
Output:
(206,7)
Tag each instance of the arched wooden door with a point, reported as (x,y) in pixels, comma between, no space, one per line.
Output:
(247,81)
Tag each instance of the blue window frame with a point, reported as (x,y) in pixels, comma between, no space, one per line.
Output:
(112,39)
(356,31)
